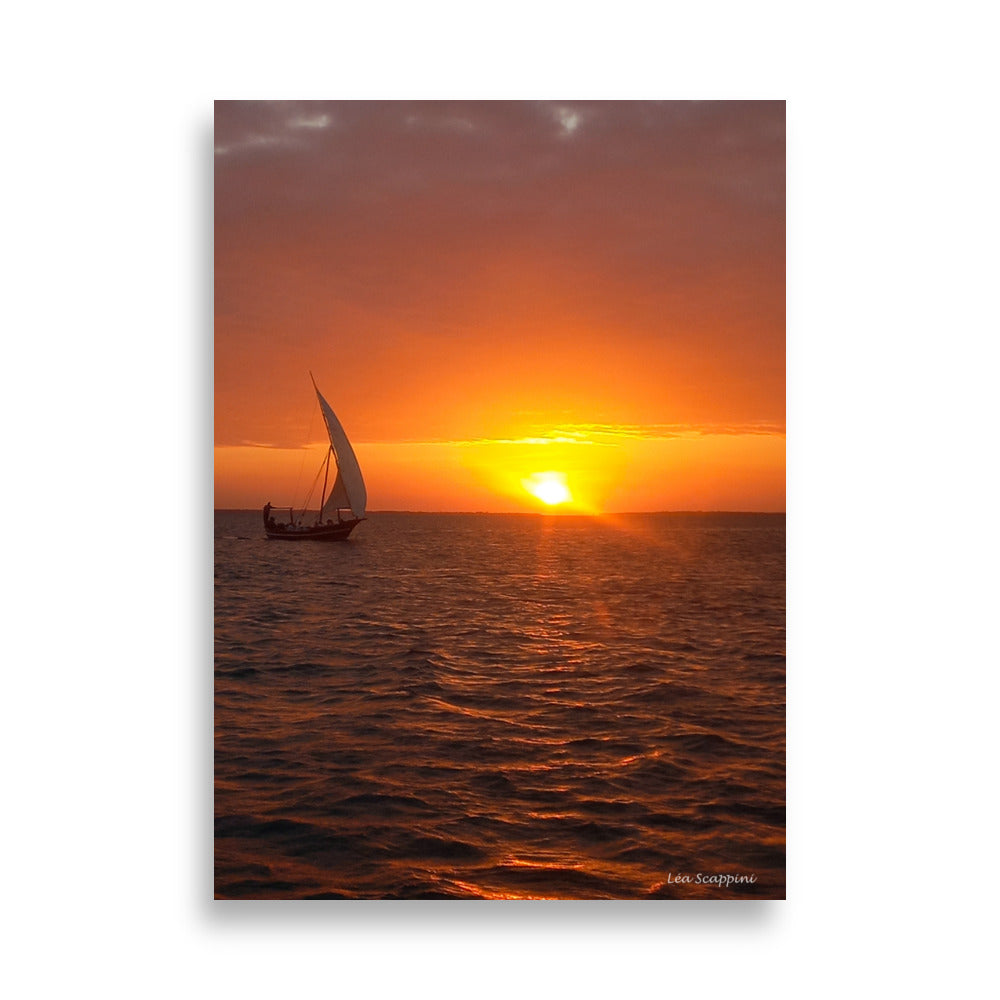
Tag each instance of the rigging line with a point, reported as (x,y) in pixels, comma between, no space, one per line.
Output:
(305,449)
(312,489)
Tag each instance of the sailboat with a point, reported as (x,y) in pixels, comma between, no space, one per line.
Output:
(348,493)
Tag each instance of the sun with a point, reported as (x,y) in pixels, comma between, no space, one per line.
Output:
(549,487)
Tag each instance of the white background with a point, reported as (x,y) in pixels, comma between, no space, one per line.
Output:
(892,502)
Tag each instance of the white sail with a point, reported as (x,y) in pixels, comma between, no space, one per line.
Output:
(349,485)
(337,500)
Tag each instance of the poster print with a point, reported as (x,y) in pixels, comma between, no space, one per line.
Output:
(500,492)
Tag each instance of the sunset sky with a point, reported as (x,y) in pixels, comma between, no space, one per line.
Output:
(564,306)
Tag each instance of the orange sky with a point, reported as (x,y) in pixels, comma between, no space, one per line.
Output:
(487,292)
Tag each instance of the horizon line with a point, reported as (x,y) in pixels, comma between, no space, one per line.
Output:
(529,513)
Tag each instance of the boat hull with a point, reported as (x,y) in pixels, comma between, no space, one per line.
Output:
(314,532)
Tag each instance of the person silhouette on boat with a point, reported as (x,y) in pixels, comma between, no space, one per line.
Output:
(267,512)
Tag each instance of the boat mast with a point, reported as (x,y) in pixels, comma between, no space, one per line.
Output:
(326,472)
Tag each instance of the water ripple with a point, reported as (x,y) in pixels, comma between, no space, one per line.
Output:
(492,706)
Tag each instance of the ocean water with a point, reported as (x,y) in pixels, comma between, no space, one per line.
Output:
(477,706)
